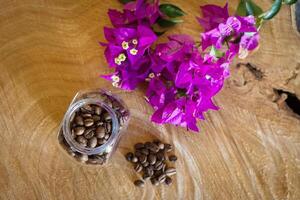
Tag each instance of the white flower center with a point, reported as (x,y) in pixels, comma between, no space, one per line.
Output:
(133,51)
(125,45)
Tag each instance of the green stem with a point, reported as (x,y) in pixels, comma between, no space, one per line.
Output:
(272,11)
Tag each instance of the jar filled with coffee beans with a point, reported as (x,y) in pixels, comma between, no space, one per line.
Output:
(93,125)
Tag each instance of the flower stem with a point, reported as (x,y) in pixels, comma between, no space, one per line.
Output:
(272,11)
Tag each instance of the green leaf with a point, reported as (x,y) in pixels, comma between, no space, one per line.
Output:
(159,33)
(256,10)
(171,10)
(289,2)
(215,52)
(125,1)
(241,9)
(168,22)
(248,7)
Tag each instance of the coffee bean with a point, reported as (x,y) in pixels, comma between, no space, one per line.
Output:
(138,168)
(134,159)
(106,136)
(147,144)
(86,115)
(170,171)
(138,146)
(86,109)
(79,120)
(142,158)
(139,183)
(153,147)
(161,178)
(99,123)
(149,171)
(146,176)
(107,127)
(100,132)
(89,133)
(129,156)
(159,167)
(144,151)
(157,164)
(168,147)
(138,153)
(172,158)
(88,122)
(97,110)
(154,181)
(107,117)
(101,141)
(96,118)
(145,164)
(156,141)
(151,159)
(83,157)
(163,169)
(79,130)
(92,143)
(161,146)
(82,140)
(168,180)
(160,156)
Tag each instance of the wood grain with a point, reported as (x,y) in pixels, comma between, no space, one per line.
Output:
(49,50)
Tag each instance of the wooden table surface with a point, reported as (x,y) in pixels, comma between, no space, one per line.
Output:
(49,50)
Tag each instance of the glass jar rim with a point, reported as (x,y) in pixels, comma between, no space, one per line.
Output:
(67,130)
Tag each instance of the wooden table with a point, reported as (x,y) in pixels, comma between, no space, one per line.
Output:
(49,50)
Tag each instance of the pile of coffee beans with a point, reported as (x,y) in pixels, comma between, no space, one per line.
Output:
(152,159)
(91,126)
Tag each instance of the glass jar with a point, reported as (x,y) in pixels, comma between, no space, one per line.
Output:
(93,125)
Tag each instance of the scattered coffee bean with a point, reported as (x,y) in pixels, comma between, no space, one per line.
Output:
(154,181)
(168,147)
(129,156)
(145,164)
(79,130)
(138,146)
(168,181)
(150,158)
(138,167)
(170,171)
(145,151)
(107,127)
(83,157)
(139,183)
(143,158)
(172,158)
(134,159)
(161,145)
(161,178)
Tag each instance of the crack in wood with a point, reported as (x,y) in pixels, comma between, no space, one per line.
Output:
(289,99)
(258,73)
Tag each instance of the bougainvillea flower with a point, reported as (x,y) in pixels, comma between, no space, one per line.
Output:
(127,50)
(135,13)
(213,16)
